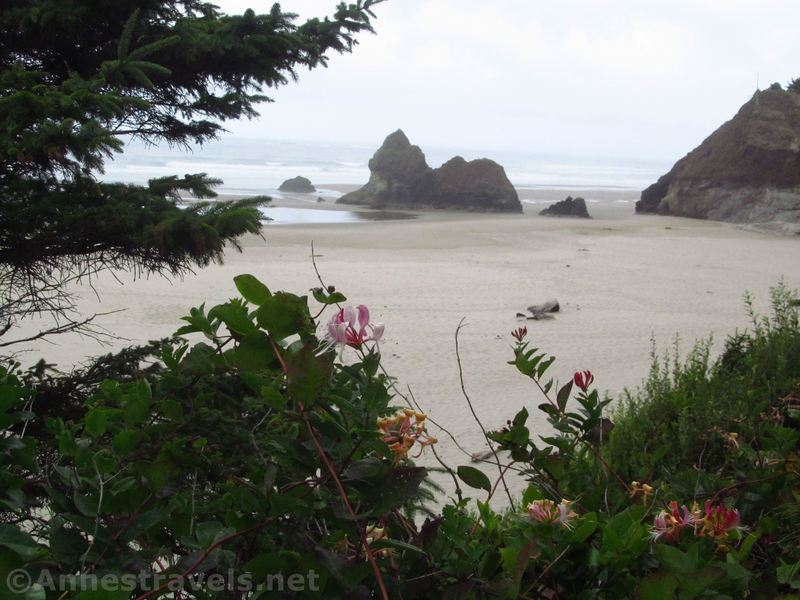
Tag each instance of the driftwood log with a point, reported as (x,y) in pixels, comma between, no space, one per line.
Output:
(540,312)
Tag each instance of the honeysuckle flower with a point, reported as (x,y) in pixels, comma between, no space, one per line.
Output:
(351,327)
(732,440)
(640,489)
(583,379)
(519,333)
(668,524)
(547,511)
(403,430)
(719,521)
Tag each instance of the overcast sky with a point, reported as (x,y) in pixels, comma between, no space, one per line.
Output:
(616,78)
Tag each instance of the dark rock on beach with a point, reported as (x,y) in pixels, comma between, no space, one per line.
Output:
(747,171)
(401,178)
(550,306)
(541,312)
(297,185)
(568,207)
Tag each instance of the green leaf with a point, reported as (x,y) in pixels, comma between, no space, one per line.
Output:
(699,581)
(587,527)
(252,289)
(284,314)
(67,544)
(323,297)
(208,532)
(87,505)
(234,315)
(563,395)
(788,574)
(530,494)
(95,422)
(673,559)
(171,409)
(367,468)
(308,374)
(126,441)
(137,410)
(254,352)
(146,521)
(18,542)
(658,586)
(474,478)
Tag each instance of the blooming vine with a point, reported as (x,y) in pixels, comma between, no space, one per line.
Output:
(547,511)
(716,521)
(403,430)
(351,327)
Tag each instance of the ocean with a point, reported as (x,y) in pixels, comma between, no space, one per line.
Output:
(252,166)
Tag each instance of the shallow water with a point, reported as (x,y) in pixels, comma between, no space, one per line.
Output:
(285,215)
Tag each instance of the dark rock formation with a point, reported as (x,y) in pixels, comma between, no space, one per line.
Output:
(401,178)
(747,171)
(568,207)
(297,185)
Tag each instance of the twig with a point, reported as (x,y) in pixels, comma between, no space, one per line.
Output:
(203,556)
(477,419)
(445,466)
(79,327)
(343,493)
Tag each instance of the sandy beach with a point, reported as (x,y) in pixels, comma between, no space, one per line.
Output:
(621,279)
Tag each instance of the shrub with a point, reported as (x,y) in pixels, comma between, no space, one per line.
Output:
(264,450)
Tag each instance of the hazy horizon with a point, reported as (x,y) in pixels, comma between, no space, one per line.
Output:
(581,78)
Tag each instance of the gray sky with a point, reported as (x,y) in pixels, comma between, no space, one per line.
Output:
(627,78)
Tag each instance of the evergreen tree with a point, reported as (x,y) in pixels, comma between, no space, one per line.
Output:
(77,77)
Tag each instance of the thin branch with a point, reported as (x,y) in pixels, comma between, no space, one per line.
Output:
(79,327)
(477,419)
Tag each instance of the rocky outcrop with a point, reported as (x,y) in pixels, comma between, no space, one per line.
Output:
(401,178)
(568,207)
(297,185)
(747,171)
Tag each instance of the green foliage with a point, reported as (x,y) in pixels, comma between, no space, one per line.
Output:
(685,411)
(233,451)
(257,451)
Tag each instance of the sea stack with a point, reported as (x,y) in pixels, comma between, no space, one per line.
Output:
(297,185)
(747,171)
(568,207)
(401,178)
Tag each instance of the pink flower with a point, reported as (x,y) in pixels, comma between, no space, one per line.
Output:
(583,379)
(719,521)
(351,327)
(668,525)
(519,333)
(547,511)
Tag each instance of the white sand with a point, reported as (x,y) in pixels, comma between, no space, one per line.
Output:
(620,279)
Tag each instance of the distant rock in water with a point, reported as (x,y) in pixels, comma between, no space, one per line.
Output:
(568,207)
(297,185)
(747,171)
(401,178)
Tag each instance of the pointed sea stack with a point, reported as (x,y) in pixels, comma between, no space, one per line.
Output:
(747,171)
(401,178)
